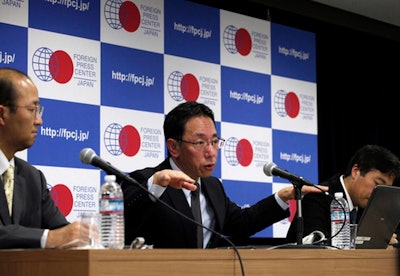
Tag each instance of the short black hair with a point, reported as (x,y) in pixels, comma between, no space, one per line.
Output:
(374,157)
(176,119)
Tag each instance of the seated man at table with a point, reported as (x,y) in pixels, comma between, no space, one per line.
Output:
(371,165)
(28,216)
(193,144)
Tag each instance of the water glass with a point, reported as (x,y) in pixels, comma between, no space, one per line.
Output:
(90,231)
(353,235)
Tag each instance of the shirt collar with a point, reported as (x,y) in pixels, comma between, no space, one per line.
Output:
(4,163)
(351,206)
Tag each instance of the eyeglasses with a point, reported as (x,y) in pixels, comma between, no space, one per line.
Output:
(202,145)
(37,110)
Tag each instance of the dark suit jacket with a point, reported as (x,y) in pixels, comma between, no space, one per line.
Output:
(33,209)
(164,228)
(316,211)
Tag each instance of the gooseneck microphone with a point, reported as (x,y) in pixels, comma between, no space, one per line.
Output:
(271,169)
(89,156)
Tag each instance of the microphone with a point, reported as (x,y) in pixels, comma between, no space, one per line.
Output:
(271,169)
(89,156)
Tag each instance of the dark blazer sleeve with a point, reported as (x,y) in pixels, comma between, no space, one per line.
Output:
(33,209)
(145,217)
(237,222)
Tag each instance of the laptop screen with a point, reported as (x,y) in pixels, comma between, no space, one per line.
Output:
(379,219)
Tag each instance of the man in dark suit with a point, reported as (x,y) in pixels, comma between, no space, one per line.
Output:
(371,165)
(193,144)
(32,220)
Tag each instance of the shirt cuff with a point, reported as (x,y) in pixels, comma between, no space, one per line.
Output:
(43,240)
(155,190)
(281,203)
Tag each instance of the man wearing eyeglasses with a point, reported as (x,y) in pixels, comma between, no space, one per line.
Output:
(193,144)
(28,216)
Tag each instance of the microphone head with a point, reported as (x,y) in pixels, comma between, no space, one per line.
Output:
(87,155)
(268,168)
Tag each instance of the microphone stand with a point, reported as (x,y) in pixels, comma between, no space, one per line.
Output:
(298,185)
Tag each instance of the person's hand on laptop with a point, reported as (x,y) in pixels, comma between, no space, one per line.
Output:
(394,243)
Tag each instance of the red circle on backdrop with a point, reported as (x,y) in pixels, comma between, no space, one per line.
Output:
(292,105)
(244,152)
(190,87)
(61,66)
(129,16)
(243,42)
(62,196)
(129,140)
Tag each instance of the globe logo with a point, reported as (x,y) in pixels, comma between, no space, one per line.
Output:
(238,152)
(237,40)
(286,104)
(183,87)
(40,63)
(119,139)
(48,65)
(119,14)
(62,198)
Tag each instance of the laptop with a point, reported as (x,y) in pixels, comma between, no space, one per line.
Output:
(380,218)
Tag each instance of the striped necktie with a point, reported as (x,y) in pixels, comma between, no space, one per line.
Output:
(8,180)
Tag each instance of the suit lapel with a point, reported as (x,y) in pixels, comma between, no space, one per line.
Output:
(19,184)
(177,199)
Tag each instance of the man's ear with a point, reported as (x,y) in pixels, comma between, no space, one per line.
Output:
(355,171)
(2,110)
(173,147)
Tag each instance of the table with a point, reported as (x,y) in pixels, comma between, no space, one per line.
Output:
(198,262)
